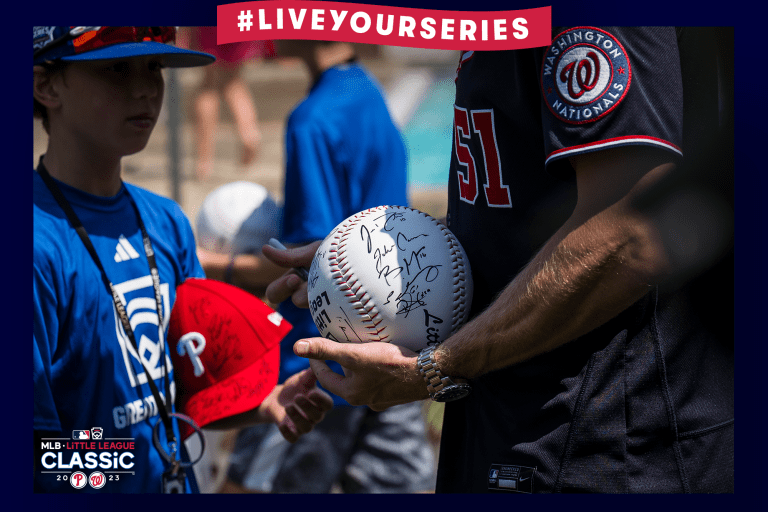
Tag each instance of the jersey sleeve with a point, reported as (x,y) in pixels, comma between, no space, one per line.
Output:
(44,338)
(609,87)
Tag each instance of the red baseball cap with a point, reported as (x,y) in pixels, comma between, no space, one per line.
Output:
(225,347)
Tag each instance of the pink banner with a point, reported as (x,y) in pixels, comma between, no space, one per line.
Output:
(374,24)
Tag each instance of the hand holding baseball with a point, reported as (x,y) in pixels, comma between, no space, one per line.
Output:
(297,405)
(289,284)
(379,375)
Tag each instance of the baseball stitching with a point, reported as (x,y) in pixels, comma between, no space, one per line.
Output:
(361,302)
(344,279)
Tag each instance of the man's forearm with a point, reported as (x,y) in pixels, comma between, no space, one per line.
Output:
(601,261)
(591,270)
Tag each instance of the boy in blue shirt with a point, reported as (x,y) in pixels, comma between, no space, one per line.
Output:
(103,295)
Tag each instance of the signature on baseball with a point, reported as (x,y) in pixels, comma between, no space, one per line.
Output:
(313,269)
(416,289)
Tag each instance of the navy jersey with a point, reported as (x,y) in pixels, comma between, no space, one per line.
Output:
(638,404)
(87,375)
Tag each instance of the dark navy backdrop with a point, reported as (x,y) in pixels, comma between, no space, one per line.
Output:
(750,277)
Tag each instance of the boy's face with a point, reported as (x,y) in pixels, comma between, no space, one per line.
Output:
(112,105)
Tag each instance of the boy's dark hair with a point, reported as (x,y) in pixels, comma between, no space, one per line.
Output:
(40,111)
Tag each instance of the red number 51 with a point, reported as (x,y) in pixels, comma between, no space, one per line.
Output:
(496,193)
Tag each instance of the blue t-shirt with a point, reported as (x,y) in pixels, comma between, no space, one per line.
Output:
(86,373)
(344,154)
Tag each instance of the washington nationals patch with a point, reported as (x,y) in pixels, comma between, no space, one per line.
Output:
(585,74)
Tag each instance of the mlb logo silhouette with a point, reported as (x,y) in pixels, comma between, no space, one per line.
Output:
(81,434)
(96,432)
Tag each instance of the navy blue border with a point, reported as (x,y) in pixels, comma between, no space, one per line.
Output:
(749,278)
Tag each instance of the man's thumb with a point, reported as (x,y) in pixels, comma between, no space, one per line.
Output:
(309,348)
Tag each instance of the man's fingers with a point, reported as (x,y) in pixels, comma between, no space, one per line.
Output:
(285,286)
(299,297)
(329,379)
(293,257)
(290,285)
(321,348)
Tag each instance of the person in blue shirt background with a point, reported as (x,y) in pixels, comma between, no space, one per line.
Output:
(344,154)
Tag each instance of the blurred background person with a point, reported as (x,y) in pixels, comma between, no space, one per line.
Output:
(223,79)
(344,154)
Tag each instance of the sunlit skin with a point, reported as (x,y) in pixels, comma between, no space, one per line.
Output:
(99,111)
(602,260)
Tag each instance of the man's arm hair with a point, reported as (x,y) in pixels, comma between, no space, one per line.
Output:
(603,259)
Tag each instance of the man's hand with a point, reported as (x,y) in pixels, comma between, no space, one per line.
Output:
(376,374)
(289,284)
(296,406)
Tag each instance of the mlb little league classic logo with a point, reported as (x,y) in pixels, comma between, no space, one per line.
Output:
(89,459)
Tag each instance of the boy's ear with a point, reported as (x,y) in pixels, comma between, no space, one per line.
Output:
(44,90)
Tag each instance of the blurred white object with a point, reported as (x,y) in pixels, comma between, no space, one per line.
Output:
(238,218)
(406,92)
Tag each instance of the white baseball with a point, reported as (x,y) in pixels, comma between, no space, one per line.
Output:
(238,218)
(391,274)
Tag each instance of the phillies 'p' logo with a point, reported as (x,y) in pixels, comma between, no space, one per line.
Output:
(192,344)
(585,75)
(78,480)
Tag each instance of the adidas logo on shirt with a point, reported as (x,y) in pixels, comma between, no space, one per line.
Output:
(125,250)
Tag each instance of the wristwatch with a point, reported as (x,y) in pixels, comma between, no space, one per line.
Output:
(441,388)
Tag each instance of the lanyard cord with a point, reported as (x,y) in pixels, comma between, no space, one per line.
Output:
(78,226)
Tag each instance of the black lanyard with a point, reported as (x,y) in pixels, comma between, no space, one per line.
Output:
(75,222)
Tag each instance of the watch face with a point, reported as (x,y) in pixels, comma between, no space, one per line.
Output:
(451,393)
